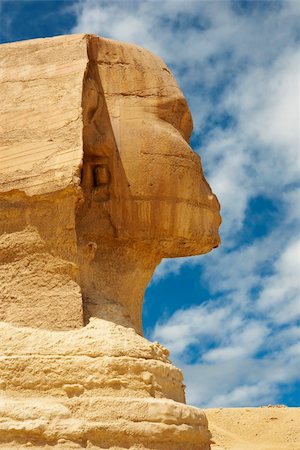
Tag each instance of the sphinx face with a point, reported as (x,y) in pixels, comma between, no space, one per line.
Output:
(167,199)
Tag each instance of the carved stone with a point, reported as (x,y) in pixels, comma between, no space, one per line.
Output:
(98,183)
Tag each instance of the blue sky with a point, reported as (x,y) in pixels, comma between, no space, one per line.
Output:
(230,318)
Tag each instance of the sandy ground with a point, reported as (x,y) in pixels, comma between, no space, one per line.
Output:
(264,428)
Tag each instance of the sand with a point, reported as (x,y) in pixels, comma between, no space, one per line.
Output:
(264,428)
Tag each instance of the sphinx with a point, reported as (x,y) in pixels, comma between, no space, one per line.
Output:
(98,183)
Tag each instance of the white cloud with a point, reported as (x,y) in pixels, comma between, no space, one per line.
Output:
(172,266)
(243,343)
(188,326)
(241,382)
(260,154)
(245,348)
(280,296)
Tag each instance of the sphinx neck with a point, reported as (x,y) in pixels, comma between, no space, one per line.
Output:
(114,275)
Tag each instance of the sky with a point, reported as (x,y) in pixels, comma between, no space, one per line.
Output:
(230,318)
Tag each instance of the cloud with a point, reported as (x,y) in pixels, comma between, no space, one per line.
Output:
(280,296)
(241,381)
(260,154)
(188,326)
(228,384)
(173,266)
(221,329)
(232,373)
(236,350)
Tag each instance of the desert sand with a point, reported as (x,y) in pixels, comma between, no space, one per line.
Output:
(265,428)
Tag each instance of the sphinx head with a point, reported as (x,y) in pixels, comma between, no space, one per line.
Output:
(145,195)
(138,164)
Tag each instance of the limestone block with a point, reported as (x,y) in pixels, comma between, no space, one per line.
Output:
(41,125)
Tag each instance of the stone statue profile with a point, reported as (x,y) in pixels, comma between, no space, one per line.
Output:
(98,183)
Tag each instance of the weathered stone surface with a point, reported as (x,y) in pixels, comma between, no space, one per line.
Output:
(102,386)
(97,184)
